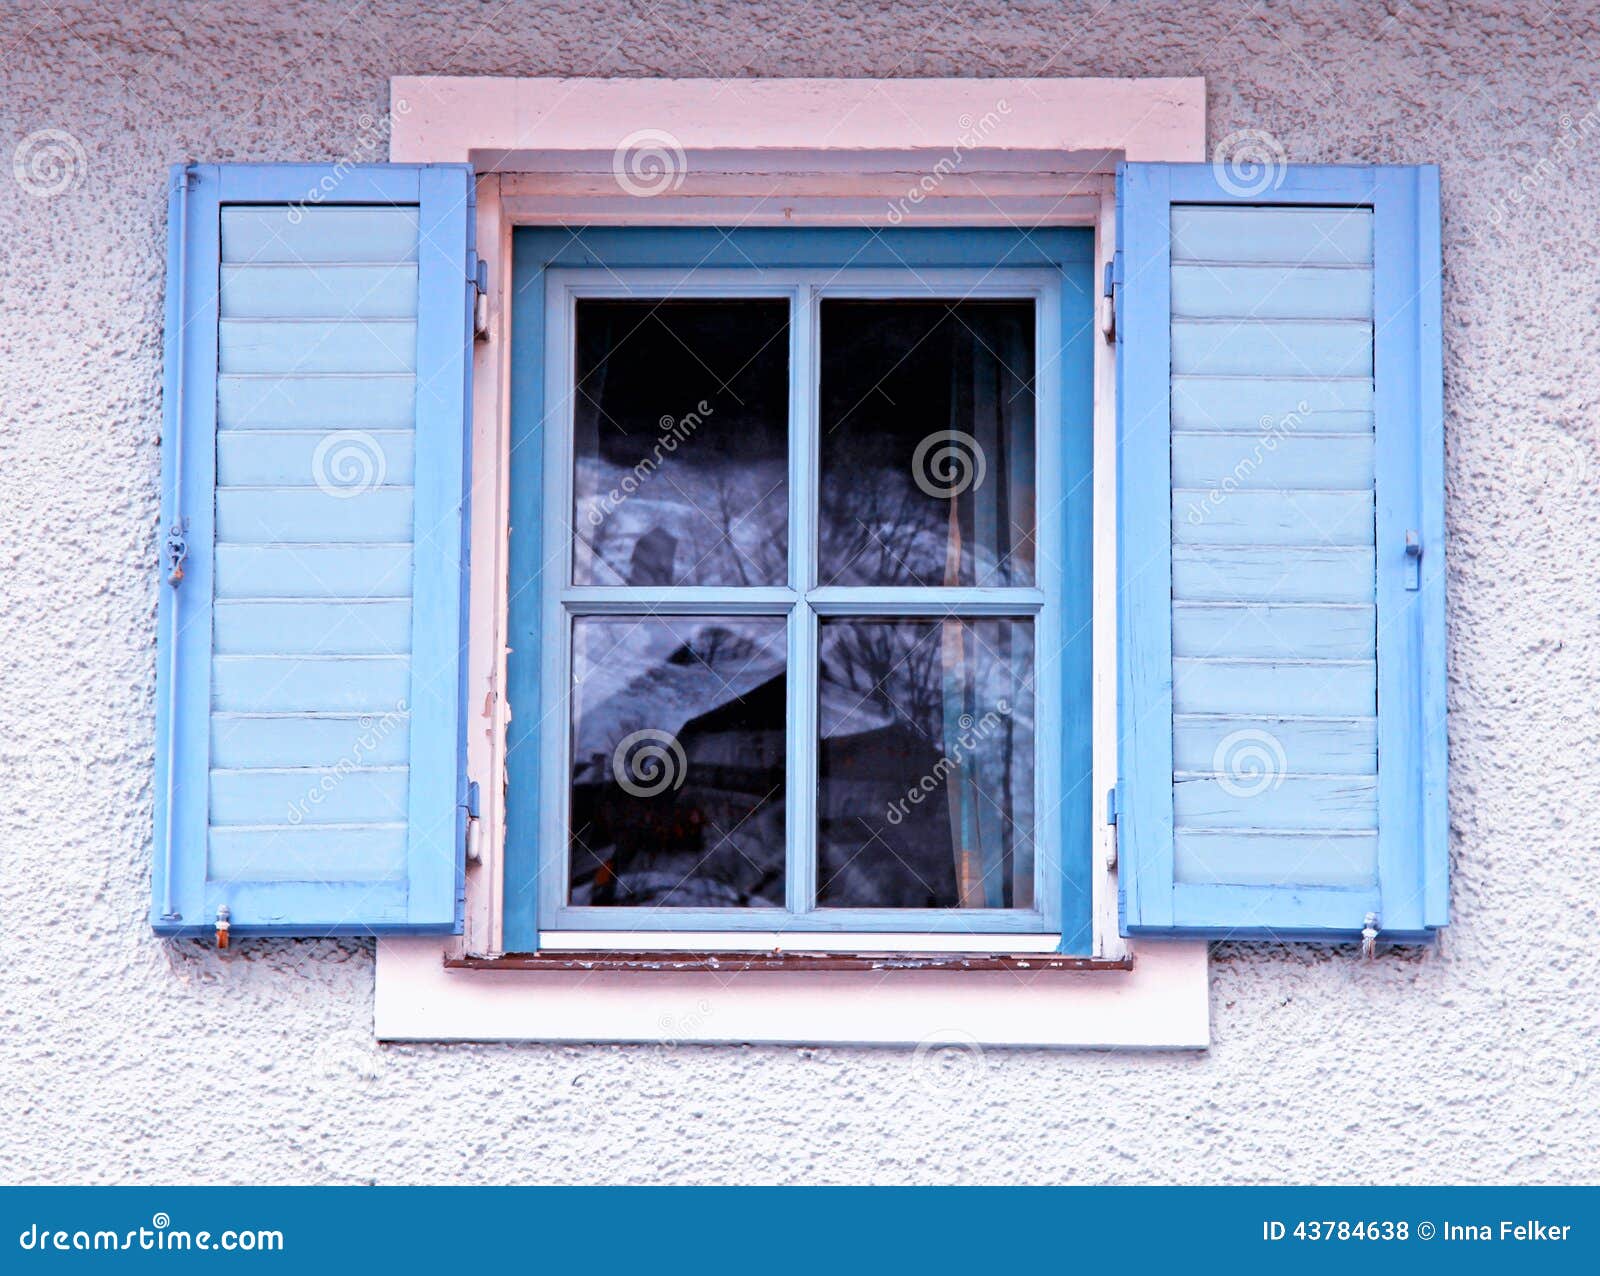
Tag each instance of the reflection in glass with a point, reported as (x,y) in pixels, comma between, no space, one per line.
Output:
(681,423)
(678,762)
(927,443)
(926,793)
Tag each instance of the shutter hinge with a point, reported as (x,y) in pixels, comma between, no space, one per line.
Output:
(478,277)
(1108,299)
(474,850)
(1369,937)
(177,550)
(1413,560)
(1112,812)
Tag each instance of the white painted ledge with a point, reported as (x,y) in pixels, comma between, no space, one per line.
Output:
(1162,1003)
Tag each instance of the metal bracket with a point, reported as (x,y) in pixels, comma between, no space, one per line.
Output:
(1413,560)
(224,925)
(1112,814)
(474,850)
(1369,937)
(479,279)
(1108,299)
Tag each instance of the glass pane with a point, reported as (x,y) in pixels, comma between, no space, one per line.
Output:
(681,443)
(926,789)
(927,447)
(678,762)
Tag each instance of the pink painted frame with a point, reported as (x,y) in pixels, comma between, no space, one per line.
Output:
(774,152)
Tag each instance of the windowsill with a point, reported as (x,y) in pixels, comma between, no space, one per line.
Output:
(738,962)
(1158,999)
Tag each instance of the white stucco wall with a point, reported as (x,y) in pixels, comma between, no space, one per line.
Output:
(123,1057)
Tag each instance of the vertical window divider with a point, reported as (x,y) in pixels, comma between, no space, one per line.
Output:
(800,806)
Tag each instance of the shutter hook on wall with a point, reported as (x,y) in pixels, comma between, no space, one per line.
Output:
(1369,937)
(224,924)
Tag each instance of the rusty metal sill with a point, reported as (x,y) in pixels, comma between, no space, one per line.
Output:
(735,962)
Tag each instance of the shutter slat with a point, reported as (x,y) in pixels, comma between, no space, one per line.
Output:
(376,402)
(1323,405)
(316,345)
(1255,857)
(1271,460)
(259,795)
(310,853)
(311,684)
(343,459)
(313,571)
(242,740)
(281,233)
(1271,574)
(319,745)
(1209,516)
(1337,631)
(1310,745)
(319,292)
(1271,782)
(302,626)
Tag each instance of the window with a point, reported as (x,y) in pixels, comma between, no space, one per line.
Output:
(849,616)
(805,565)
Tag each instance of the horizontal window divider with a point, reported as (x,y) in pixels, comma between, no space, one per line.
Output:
(935,601)
(627,600)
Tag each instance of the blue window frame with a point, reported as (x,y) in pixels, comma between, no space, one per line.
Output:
(795,315)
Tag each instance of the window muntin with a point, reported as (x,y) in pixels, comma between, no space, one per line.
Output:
(1000,883)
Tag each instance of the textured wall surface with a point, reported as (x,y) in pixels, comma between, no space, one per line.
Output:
(126,1058)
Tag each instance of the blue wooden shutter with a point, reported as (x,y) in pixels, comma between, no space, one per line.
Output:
(1280,553)
(310,738)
